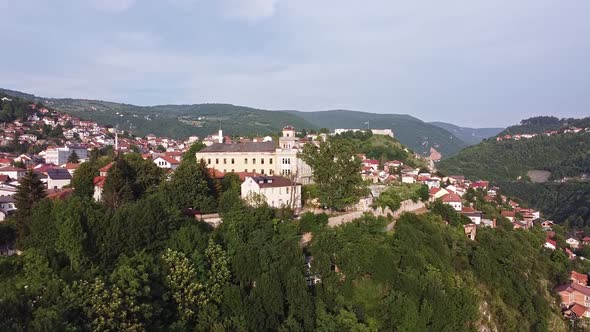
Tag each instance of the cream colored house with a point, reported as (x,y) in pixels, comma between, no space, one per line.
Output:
(275,190)
(265,158)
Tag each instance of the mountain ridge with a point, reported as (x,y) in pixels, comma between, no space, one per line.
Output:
(185,120)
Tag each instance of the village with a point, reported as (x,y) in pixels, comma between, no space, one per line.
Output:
(272,170)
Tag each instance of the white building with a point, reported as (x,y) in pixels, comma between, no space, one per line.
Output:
(275,190)
(453,200)
(573,242)
(14,173)
(58,178)
(166,162)
(58,156)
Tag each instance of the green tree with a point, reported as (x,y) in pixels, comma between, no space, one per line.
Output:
(73,158)
(191,186)
(336,170)
(83,179)
(30,191)
(119,184)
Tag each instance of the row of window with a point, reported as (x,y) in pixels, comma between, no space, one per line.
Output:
(233,161)
(270,171)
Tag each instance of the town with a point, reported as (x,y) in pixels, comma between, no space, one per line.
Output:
(273,171)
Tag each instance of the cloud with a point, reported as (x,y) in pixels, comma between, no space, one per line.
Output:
(115,6)
(249,10)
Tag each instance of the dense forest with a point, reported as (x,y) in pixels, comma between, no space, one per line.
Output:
(136,262)
(567,203)
(540,124)
(564,155)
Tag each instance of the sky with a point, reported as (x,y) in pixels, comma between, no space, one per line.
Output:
(471,63)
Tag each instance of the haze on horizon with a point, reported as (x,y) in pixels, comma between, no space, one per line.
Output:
(471,63)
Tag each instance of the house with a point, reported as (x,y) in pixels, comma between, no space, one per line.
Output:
(276,191)
(510,215)
(14,173)
(570,254)
(472,214)
(58,156)
(7,204)
(579,278)
(453,200)
(105,169)
(546,224)
(436,193)
(586,240)
(58,178)
(572,294)
(550,244)
(480,184)
(470,231)
(408,178)
(573,242)
(166,162)
(98,186)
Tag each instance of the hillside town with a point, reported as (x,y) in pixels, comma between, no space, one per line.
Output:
(271,171)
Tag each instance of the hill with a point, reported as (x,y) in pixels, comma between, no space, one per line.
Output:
(415,133)
(468,135)
(179,121)
(541,124)
(564,155)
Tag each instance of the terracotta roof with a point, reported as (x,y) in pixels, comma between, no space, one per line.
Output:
(579,310)
(240,147)
(216,174)
(11,169)
(434,190)
(4,178)
(508,214)
(244,175)
(169,160)
(552,242)
(468,209)
(580,277)
(451,197)
(72,165)
(59,193)
(5,161)
(99,181)
(107,167)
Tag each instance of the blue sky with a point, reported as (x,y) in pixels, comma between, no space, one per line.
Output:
(469,62)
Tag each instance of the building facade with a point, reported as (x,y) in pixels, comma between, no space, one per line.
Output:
(275,190)
(265,158)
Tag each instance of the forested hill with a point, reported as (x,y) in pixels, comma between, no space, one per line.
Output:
(180,121)
(415,133)
(468,135)
(564,155)
(541,124)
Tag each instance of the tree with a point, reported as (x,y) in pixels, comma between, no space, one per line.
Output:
(73,158)
(192,187)
(190,154)
(83,179)
(30,191)
(336,170)
(118,187)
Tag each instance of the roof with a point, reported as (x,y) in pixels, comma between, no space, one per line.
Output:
(11,169)
(240,147)
(216,174)
(99,181)
(7,199)
(434,190)
(551,242)
(106,167)
(72,165)
(579,277)
(508,214)
(169,160)
(451,197)
(578,309)
(59,174)
(60,193)
(271,181)
(4,177)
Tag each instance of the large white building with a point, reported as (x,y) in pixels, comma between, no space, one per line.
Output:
(59,156)
(275,190)
(265,158)
(386,132)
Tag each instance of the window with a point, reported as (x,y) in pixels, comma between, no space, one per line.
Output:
(246,161)
(209,161)
(287,190)
(224,170)
(232,161)
(224,161)
(216,161)
(232,170)
(253,160)
(261,171)
(270,161)
(262,161)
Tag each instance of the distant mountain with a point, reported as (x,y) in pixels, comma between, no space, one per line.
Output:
(178,121)
(469,135)
(415,133)
(541,157)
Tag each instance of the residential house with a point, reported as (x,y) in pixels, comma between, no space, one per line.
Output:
(471,213)
(550,244)
(436,193)
(58,156)
(470,231)
(14,173)
(573,242)
(453,200)
(166,162)
(7,204)
(58,178)
(98,186)
(277,191)
(586,240)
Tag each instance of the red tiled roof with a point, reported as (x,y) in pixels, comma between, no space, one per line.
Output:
(169,160)
(579,277)
(59,193)
(107,167)
(72,165)
(451,197)
(4,178)
(11,169)
(552,242)
(508,214)
(216,174)
(468,209)
(434,190)
(579,310)
(99,181)
(5,161)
